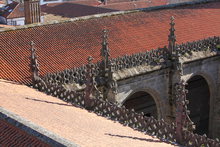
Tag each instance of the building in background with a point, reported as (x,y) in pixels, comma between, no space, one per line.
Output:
(2,3)
(14,13)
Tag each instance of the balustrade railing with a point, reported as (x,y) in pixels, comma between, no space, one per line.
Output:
(149,125)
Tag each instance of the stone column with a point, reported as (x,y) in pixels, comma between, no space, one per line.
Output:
(216,119)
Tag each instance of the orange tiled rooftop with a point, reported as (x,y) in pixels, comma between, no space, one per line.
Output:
(13,136)
(68,44)
(74,124)
(129,5)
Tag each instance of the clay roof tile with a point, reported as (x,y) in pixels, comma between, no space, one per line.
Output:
(67,45)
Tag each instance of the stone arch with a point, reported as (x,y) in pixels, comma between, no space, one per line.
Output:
(211,89)
(155,97)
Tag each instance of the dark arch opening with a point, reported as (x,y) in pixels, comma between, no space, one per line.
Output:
(199,103)
(142,102)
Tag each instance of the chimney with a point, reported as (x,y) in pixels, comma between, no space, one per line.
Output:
(32,11)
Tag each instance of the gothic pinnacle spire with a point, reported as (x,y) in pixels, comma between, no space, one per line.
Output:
(105,50)
(34,64)
(172,36)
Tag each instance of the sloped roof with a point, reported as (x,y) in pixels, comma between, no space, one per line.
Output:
(135,4)
(121,1)
(98,2)
(18,11)
(13,136)
(87,2)
(14,10)
(76,125)
(8,9)
(67,45)
(71,9)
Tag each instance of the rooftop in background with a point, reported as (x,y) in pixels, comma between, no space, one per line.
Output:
(78,8)
(74,124)
(13,10)
(71,9)
(66,45)
(85,2)
(135,4)
(65,10)
(13,136)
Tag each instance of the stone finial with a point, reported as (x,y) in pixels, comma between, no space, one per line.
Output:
(112,83)
(105,49)
(32,44)
(89,59)
(172,36)
(34,64)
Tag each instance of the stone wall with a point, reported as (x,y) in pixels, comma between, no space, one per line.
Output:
(154,72)
(208,69)
(156,84)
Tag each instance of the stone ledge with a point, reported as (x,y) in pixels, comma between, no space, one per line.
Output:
(134,71)
(197,56)
(35,130)
(142,69)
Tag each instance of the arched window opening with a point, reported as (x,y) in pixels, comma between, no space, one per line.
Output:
(199,103)
(142,102)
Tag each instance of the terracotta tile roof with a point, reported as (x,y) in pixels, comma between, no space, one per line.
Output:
(77,125)
(135,4)
(70,9)
(87,2)
(17,12)
(9,8)
(13,136)
(14,10)
(109,2)
(67,45)
(120,1)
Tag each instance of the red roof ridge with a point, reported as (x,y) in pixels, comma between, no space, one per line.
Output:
(67,45)
(170,6)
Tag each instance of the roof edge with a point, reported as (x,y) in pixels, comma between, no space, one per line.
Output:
(35,130)
(13,9)
(106,15)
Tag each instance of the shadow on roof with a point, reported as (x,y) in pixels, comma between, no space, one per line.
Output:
(136,138)
(73,10)
(47,102)
(184,6)
(141,139)
(203,6)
